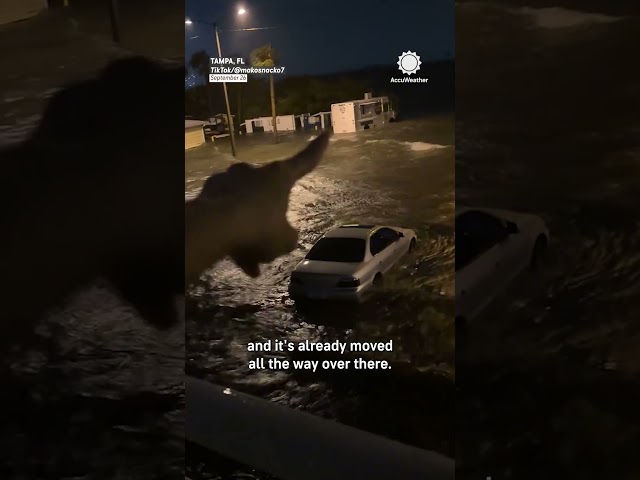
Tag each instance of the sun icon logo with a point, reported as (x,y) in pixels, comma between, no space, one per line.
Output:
(409,62)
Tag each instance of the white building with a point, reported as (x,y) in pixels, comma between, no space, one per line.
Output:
(256,124)
(356,115)
(193,133)
(285,123)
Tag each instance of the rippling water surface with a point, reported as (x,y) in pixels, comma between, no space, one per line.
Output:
(401,175)
(103,393)
(552,376)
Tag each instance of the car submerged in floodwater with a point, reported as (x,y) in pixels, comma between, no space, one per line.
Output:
(493,247)
(348,261)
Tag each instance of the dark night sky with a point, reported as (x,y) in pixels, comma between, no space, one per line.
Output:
(324,36)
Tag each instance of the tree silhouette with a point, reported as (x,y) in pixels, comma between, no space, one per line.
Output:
(266,56)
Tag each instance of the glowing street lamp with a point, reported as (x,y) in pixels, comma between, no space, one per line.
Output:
(189,22)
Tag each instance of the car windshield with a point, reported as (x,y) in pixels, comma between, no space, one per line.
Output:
(347,250)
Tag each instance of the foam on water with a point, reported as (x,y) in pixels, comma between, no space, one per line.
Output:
(423,146)
(414,146)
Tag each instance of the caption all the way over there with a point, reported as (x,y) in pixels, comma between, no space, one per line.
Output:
(274,362)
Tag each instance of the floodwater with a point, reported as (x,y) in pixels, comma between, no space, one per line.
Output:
(548,387)
(401,175)
(100,392)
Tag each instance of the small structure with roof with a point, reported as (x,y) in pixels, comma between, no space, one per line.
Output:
(288,123)
(285,123)
(320,120)
(356,115)
(218,126)
(193,133)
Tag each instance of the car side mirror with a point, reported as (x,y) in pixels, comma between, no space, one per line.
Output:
(400,235)
(512,228)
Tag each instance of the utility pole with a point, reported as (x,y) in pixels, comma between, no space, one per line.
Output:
(272,91)
(239,109)
(115,20)
(226,98)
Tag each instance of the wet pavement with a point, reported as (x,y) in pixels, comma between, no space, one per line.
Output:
(101,395)
(546,122)
(401,175)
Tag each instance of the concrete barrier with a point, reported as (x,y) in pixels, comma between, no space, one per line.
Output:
(293,445)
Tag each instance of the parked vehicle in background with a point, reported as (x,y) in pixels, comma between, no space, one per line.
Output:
(218,125)
(211,130)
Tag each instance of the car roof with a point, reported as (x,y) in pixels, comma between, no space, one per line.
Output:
(352,231)
(496,212)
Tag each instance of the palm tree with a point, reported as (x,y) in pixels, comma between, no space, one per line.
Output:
(266,56)
(200,64)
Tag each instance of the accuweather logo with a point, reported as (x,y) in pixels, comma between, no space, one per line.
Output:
(409,64)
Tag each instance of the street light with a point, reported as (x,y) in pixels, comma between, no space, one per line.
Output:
(224,84)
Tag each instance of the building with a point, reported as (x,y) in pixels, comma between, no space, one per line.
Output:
(285,123)
(320,120)
(306,120)
(14,10)
(356,115)
(257,125)
(193,133)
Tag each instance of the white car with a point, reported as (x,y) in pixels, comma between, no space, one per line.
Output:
(348,260)
(493,247)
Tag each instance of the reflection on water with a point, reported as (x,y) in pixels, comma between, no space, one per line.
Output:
(109,390)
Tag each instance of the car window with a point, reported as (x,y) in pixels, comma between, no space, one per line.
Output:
(476,232)
(388,234)
(347,250)
(382,239)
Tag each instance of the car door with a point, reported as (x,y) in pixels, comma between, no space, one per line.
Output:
(392,251)
(382,245)
(481,261)
(513,251)
(516,251)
